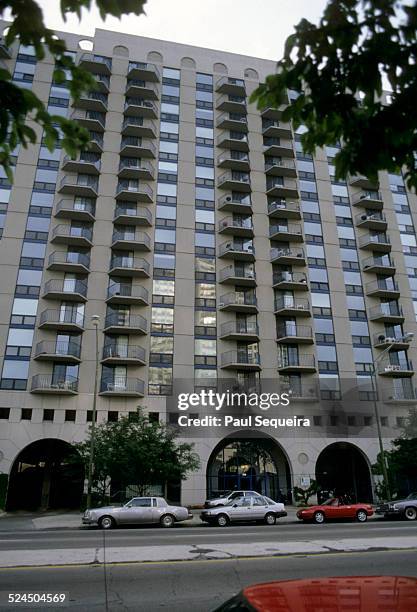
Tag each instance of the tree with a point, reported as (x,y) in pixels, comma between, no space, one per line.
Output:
(402,465)
(18,104)
(136,452)
(337,70)
(301,495)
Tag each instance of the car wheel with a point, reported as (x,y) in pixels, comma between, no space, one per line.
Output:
(361,516)
(270,519)
(167,520)
(410,513)
(319,517)
(222,520)
(106,522)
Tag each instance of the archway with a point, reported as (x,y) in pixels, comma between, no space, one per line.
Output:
(343,469)
(44,476)
(249,462)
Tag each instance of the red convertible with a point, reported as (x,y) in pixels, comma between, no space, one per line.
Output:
(336,508)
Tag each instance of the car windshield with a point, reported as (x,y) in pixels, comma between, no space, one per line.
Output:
(330,502)
(412,496)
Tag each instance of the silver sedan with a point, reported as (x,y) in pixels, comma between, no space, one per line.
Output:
(138,511)
(246,509)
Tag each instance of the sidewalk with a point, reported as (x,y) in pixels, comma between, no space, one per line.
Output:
(22,521)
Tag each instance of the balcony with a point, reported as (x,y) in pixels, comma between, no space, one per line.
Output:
(78,236)
(131,241)
(125,293)
(86,163)
(102,83)
(276,187)
(135,168)
(123,354)
(138,126)
(144,71)
(273,113)
(279,167)
(232,276)
(134,146)
(231,104)
(377,242)
(91,120)
(230,86)
(371,201)
(241,331)
(359,180)
(96,142)
(290,281)
(233,202)
(236,226)
(397,342)
(238,141)
(122,387)
(387,312)
(234,181)
(399,368)
(304,393)
(49,384)
(65,320)
(288,257)
(291,232)
(95,63)
(69,262)
(139,107)
(5,52)
(294,363)
(276,129)
(74,185)
(137,88)
(78,209)
(288,306)
(402,396)
(237,301)
(240,252)
(68,352)
(120,323)
(92,101)
(235,160)
(373,221)
(129,266)
(232,121)
(383,264)
(66,290)
(383,288)
(284,209)
(125,215)
(239,360)
(290,333)
(134,191)
(283,149)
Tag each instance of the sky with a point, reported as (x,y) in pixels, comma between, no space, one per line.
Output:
(256,28)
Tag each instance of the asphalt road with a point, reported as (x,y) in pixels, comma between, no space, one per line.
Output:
(188,586)
(155,536)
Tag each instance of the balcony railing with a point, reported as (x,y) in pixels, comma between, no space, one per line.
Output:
(284,208)
(126,321)
(128,291)
(129,352)
(145,70)
(94,120)
(62,317)
(236,223)
(296,361)
(50,383)
(140,238)
(83,208)
(123,386)
(382,264)
(96,62)
(84,234)
(231,247)
(130,263)
(398,366)
(133,214)
(235,297)
(291,330)
(70,286)
(287,254)
(291,303)
(58,348)
(79,259)
(289,278)
(240,358)
(232,272)
(389,309)
(382,285)
(239,327)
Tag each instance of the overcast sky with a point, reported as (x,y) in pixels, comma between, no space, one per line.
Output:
(251,27)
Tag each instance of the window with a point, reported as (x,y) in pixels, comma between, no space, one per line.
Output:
(4,413)
(166,236)
(168,147)
(112,416)
(26,414)
(171,73)
(202,132)
(70,415)
(170,128)
(167,189)
(204,240)
(205,347)
(48,414)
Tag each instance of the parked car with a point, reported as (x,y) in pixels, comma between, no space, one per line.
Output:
(406,508)
(227,497)
(245,509)
(137,511)
(336,508)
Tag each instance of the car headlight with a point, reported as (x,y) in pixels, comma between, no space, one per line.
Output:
(395,507)
(87,514)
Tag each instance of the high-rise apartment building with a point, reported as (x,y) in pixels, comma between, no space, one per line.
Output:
(210,246)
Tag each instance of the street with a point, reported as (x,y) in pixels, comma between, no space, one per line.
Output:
(188,586)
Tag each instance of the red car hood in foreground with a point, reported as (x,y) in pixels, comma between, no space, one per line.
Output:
(356,594)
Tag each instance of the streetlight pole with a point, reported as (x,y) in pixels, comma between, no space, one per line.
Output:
(95,319)
(406,338)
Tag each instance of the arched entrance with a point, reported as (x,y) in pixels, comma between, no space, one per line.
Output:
(343,469)
(45,476)
(247,462)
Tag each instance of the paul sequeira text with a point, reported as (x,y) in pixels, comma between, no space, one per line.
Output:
(227,420)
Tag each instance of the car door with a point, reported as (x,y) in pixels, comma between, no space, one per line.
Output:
(241,509)
(139,510)
(259,508)
(331,510)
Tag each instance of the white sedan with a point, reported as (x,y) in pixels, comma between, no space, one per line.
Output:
(245,509)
